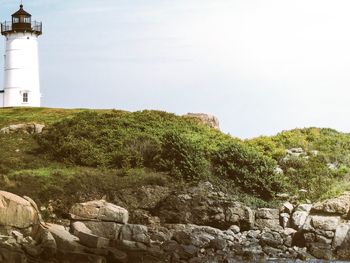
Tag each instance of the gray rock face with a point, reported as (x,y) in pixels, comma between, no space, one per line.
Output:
(100,211)
(27,128)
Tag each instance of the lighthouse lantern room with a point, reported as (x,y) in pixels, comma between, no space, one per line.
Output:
(21,78)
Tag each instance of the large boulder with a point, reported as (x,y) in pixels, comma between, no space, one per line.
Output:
(16,212)
(100,211)
(335,206)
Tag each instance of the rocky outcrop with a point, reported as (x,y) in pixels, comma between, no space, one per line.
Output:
(101,232)
(209,120)
(27,128)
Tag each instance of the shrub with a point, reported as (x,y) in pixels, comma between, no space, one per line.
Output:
(249,169)
(182,158)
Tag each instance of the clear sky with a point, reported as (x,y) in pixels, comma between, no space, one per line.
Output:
(260,66)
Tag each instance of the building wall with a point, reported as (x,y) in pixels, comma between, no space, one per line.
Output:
(1,100)
(21,70)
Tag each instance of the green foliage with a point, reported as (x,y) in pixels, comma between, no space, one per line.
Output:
(183,158)
(121,139)
(153,142)
(249,169)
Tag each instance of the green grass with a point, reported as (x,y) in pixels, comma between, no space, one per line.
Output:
(39,115)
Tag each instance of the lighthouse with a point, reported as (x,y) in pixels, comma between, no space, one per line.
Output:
(21,69)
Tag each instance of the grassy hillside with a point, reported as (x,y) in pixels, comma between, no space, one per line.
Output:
(86,154)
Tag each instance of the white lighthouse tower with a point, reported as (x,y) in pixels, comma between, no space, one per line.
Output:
(21,79)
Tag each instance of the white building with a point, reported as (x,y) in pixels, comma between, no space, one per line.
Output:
(21,79)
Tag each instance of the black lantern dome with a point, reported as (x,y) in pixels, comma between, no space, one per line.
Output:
(21,22)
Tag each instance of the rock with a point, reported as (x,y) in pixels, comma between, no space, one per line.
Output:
(304,208)
(136,233)
(289,231)
(300,215)
(287,207)
(238,214)
(18,236)
(187,251)
(340,234)
(107,230)
(267,218)
(321,251)
(16,212)
(8,255)
(27,128)
(87,238)
(80,257)
(271,239)
(268,223)
(218,244)
(99,210)
(209,120)
(267,213)
(343,251)
(144,217)
(117,256)
(284,218)
(235,229)
(65,241)
(325,222)
(47,244)
(335,206)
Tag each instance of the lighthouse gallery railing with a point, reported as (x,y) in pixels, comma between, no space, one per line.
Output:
(36,27)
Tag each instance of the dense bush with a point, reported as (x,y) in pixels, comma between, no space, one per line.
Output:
(249,169)
(182,158)
(128,140)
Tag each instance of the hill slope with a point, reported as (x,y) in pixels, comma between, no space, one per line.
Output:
(86,154)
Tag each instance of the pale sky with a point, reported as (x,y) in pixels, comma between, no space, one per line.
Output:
(260,66)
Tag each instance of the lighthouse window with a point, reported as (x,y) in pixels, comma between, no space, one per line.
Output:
(27,20)
(25,97)
(15,20)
